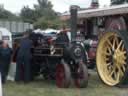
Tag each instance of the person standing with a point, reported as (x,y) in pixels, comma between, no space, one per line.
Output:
(23,59)
(62,37)
(5,60)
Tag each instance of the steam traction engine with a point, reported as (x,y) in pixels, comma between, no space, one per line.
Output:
(109,27)
(60,59)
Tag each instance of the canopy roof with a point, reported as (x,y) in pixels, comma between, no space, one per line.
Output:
(106,11)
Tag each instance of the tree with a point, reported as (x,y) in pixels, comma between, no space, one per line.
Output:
(44,8)
(43,16)
(7,15)
(43,4)
(46,22)
(47,16)
(27,14)
(117,2)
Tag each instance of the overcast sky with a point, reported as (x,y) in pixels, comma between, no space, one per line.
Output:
(59,5)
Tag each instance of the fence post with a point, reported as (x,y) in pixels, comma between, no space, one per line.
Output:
(1,93)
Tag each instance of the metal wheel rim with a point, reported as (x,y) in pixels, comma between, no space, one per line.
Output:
(60,75)
(111,58)
(80,76)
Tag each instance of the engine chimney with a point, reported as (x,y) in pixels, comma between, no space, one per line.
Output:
(73,11)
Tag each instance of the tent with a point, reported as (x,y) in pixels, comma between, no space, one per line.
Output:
(51,30)
(39,31)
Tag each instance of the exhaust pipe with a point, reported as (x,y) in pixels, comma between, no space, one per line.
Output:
(73,21)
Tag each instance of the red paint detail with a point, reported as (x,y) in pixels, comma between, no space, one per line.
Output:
(60,75)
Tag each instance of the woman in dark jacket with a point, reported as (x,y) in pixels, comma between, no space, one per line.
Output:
(5,60)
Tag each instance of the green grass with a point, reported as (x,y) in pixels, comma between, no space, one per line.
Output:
(48,88)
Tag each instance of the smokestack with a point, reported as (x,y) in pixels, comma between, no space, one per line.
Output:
(73,11)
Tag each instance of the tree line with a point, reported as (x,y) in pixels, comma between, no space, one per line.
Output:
(42,15)
(117,2)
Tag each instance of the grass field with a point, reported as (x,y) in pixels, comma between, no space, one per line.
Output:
(48,88)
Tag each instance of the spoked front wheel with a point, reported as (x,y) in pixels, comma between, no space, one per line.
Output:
(81,80)
(63,75)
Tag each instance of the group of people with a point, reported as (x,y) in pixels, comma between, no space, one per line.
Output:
(23,58)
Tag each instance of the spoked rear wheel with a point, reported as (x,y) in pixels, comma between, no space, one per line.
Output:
(111,59)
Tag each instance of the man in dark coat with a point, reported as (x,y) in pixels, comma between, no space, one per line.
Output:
(5,60)
(23,60)
(62,37)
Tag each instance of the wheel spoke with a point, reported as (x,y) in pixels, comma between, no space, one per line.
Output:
(109,43)
(123,62)
(109,50)
(124,58)
(124,52)
(123,67)
(120,71)
(115,75)
(114,43)
(118,77)
(109,66)
(107,59)
(121,42)
(112,72)
(122,47)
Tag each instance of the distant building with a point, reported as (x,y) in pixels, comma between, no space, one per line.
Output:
(64,16)
(15,27)
(58,13)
